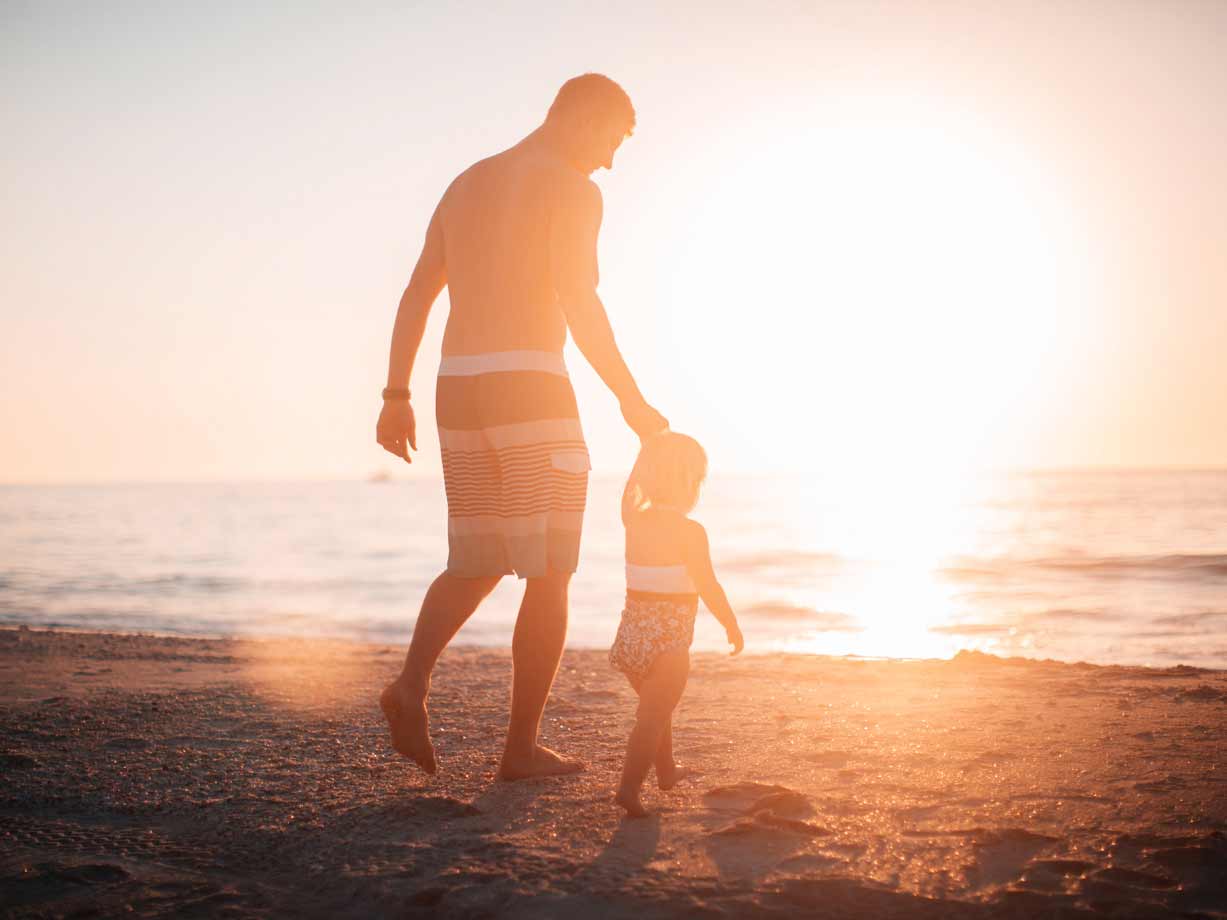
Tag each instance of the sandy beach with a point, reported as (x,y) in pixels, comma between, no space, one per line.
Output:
(150,776)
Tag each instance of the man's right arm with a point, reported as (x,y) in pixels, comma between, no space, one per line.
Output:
(396,429)
(574,229)
(427,282)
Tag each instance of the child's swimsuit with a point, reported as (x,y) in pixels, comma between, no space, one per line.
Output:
(661,603)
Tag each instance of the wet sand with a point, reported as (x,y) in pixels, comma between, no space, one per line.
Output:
(152,776)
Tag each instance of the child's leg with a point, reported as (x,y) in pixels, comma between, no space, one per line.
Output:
(658,695)
(668,772)
(664,754)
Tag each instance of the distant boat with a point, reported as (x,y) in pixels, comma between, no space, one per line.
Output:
(379,476)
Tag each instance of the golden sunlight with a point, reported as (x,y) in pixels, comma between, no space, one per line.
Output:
(610,460)
(915,277)
(907,526)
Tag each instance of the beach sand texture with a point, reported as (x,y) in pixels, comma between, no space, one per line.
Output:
(152,776)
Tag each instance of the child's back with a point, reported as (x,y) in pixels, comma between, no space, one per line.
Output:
(657,541)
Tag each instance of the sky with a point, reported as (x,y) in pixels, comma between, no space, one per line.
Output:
(844,236)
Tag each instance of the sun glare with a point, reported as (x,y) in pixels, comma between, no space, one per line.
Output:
(911,278)
(896,534)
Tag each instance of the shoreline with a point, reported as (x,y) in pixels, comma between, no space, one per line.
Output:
(151,776)
(750,653)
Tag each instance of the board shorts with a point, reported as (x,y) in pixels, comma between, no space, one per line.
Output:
(515,464)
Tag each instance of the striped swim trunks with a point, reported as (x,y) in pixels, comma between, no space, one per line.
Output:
(515,464)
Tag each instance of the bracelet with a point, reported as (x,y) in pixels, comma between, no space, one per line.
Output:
(396,393)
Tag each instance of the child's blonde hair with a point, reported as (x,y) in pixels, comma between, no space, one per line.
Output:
(669,471)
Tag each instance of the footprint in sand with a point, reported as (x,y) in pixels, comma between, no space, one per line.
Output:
(1002,856)
(768,808)
(765,822)
(791,825)
(1133,878)
(1190,870)
(1053,875)
(1062,867)
(738,795)
(787,803)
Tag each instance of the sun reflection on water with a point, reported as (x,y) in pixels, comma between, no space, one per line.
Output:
(900,532)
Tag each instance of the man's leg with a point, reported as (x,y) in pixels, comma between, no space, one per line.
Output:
(536,648)
(449,602)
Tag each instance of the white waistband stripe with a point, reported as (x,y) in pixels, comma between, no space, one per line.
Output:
(659,579)
(549,362)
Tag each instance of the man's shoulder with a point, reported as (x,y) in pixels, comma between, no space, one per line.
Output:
(560,185)
(461,191)
(467,174)
(516,164)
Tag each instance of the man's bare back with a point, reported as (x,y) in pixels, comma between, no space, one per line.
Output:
(509,226)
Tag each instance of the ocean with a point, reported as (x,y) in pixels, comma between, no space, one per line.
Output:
(1104,567)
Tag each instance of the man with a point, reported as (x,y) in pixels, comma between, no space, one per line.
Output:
(514,238)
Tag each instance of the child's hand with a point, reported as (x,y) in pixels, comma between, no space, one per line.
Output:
(735,639)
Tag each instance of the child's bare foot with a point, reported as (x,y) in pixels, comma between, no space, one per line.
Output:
(629,799)
(671,778)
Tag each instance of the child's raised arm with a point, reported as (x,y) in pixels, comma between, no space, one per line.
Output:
(698,565)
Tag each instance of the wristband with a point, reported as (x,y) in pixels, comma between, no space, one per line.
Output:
(396,393)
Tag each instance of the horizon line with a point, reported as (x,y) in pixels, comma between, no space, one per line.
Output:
(381,476)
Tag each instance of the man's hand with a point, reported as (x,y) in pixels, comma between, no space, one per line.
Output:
(733,633)
(643,419)
(396,430)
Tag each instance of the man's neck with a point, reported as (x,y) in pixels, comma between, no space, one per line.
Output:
(550,141)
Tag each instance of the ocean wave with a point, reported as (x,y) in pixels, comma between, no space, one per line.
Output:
(184,584)
(1202,566)
(795,559)
(822,620)
(972,629)
(1064,614)
(1198,618)
(177,583)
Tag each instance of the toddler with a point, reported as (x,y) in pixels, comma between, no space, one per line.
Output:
(668,568)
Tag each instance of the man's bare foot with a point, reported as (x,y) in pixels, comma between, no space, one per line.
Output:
(629,799)
(544,762)
(409,724)
(671,778)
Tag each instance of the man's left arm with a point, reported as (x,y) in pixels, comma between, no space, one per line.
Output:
(573,261)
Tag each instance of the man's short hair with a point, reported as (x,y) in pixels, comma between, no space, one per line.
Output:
(593,95)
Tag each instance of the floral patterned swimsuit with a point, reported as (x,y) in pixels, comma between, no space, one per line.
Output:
(661,603)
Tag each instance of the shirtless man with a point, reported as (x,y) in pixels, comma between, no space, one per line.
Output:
(514,238)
